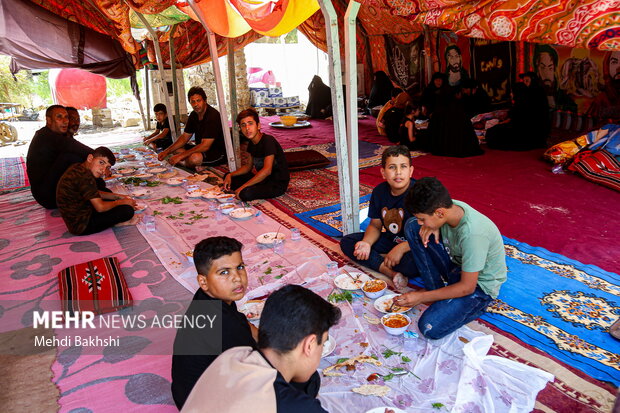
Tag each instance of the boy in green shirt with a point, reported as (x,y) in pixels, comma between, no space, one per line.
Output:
(462,273)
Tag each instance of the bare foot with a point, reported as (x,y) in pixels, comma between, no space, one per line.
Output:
(133,221)
(400,281)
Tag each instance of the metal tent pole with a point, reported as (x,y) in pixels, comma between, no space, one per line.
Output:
(230,151)
(350,74)
(175,84)
(234,107)
(160,67)
(335,80)
(148,99)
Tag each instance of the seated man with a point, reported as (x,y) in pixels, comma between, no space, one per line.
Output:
(462,271)
(205,124)
(84,208)
(161,138)
(266,156)
(52,150)
(387,251)
(293,329)
(221,276)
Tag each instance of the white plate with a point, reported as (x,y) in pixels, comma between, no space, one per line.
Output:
(174,181)
(141,193)
(157,170)
(269,237)
(224,198)
(227,208)
(195,194)
(252,309)
(329,346)
(140,208)
(143,176)
(384,302)
(210,194)
(241,214)
(382,410)
(344,282)
(126,171)
(113,176)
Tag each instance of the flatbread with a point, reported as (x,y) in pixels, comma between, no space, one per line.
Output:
(371,390)
(362,358)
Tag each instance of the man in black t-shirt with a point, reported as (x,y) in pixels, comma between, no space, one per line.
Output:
(266,157)
(205,125)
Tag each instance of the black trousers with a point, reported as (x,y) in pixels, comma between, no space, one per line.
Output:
(104,220)
(265,189)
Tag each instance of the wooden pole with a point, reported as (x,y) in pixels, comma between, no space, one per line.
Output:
(335,80)
(175,84)
(350,74)
(230,150)
(160,67)
(148,98)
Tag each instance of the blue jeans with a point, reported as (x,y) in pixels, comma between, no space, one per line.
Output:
(437,271)
(383,245)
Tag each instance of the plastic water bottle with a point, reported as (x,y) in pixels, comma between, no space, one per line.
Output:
(295,234)
(218,214)
(149,221)
(260,218)
(557,169)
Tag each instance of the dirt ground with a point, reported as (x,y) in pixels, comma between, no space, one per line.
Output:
(88,134)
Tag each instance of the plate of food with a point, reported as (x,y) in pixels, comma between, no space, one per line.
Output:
(297,125)
(141,193)
(196,193)
(211,194)
(227,208)
(157,169)
(224,198)
(113,176)
(167,175)
(252,309)
(126,171)
(329,346)
(384,305)
(198,177)
(352,282)
(174,181)
(143,175)
(151,164)
(242,214)
(140,207)
(269,238)
(129,157)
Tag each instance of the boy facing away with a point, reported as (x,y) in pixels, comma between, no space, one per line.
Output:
(161,138)
(463,270)
(383,246)
(293,329)
(84,208)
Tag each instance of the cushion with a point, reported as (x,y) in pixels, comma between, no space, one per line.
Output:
(306,159)
(97,286)
(600,167)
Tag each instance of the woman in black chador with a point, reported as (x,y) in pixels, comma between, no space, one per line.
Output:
(319,100)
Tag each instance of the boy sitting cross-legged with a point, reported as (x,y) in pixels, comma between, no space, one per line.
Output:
(84,208)
(382,246)
(161,138)
(463,270)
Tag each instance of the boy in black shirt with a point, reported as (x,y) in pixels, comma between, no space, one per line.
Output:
(383,246)
(160,139)
(221,276)
(266,157)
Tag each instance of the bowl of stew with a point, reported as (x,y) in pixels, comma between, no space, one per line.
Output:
(395,323)
(374,288)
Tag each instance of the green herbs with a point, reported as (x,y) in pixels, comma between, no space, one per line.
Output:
(437,405)
(153,183)
(337,297)
(133,181)
(156,212)
(268,271)
(169,200)
(405,359)
(388,352)
(341,360)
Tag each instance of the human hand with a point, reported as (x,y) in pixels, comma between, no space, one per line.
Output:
(410,299)
(238,191)
(361,250)
(400,281)
(162,155)
(227,181)
(173,160)
(393,257)
(425,234)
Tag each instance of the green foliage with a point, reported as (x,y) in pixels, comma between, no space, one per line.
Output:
(23,90)
(122,87)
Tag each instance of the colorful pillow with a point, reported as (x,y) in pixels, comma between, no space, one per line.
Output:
(306,159)
(600,167)
(97,286)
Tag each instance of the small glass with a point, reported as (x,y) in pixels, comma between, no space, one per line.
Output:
(332,268)
(295,234)
(149,222)
(278,246)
